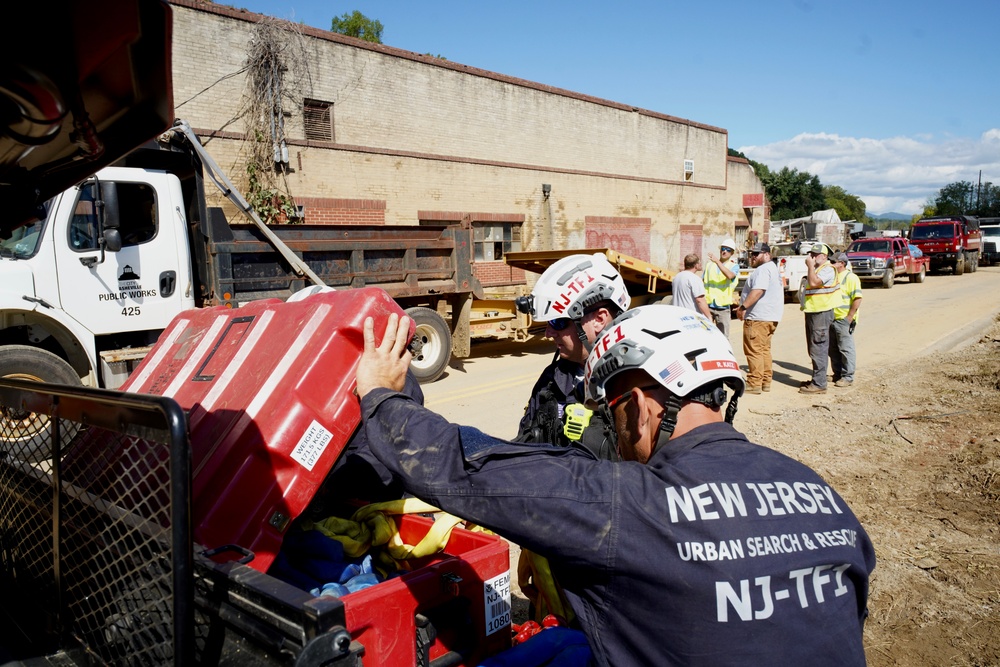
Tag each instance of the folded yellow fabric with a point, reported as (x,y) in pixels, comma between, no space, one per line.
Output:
(373,526)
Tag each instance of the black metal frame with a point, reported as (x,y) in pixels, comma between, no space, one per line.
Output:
(118,566)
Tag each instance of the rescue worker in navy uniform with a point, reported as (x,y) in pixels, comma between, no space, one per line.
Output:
(577,296)
(698,548)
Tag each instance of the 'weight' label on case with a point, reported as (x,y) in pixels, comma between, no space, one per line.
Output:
(311,445)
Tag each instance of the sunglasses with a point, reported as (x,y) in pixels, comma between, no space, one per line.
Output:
(560,323)
(627,395)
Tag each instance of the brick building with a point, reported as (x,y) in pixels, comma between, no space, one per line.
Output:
(373,134)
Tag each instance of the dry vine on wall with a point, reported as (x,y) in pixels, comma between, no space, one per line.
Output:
(277,78)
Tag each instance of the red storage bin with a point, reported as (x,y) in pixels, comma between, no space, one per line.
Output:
(463,595)
(268,389)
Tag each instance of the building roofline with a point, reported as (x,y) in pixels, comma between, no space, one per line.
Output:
(253,17)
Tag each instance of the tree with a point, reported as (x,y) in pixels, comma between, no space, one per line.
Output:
(847,206)
(958,198)
(988,199)
(356,24)
(792,193)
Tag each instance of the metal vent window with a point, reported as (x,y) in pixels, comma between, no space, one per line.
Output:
(317,118)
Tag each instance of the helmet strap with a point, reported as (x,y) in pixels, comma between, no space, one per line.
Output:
(671,407)
(582,335)
(732,407)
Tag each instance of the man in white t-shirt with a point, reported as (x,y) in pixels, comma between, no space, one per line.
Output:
(761,304)
(689,289)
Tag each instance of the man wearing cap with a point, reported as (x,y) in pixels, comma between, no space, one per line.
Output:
(720,281)
(822,295)
(845,318)
(762,303)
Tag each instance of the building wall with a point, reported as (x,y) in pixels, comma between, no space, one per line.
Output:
(415,133)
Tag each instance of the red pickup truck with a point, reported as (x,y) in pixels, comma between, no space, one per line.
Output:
(952,242)
(885,259)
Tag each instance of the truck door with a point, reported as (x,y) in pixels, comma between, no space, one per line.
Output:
(900,261)
(142,286)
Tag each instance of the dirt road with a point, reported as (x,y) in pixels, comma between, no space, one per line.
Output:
(489,390)
(913,446)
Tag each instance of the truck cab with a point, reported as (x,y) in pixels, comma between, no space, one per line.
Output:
(950,242)
(885,259)
(69,294)
(990,229)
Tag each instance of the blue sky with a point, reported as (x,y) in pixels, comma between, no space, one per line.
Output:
(889,100)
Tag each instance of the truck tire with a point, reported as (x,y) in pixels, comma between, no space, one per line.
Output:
(889,277)
(435,337)
(974,263)
(23,434)
(919,277)
(960,266)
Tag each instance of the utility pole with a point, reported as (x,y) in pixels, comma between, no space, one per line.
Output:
(979,189)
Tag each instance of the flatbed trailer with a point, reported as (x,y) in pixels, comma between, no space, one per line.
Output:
(646,282)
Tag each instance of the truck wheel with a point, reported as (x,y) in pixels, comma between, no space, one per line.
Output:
(919,277)
(24,434)
(889,278)
(960,266)
(435,353)
(974,264)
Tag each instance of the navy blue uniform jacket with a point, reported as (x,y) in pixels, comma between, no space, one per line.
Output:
(717,552)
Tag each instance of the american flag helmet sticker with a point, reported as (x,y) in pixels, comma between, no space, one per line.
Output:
(672,372)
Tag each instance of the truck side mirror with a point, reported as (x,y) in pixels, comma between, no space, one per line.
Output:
(109,216)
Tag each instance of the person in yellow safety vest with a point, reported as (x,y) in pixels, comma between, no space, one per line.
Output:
(822,295)
(720,278)
(845,318)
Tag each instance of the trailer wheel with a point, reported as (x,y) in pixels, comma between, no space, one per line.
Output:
(24,434)
(889,277)
(435,337)
(919,277)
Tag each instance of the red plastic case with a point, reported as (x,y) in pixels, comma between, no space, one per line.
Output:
(268,389)
(464,593)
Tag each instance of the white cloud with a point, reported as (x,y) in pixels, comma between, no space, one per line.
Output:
(896,174)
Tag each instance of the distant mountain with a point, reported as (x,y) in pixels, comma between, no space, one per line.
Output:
(891,216)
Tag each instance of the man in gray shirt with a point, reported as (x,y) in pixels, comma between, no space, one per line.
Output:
(761,304)
(689,289)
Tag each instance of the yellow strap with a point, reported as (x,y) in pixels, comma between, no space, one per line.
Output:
(373,526)
(536,581)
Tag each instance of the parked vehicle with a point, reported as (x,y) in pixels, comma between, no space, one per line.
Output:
(791,260)
(951,242)
(990,228)
(885,259)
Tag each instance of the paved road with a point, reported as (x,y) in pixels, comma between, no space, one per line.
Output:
(909,321)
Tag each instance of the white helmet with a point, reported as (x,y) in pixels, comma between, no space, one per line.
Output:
(677,347)
(728,243)
(574,284)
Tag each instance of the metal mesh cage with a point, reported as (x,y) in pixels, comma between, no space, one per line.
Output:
(95,544)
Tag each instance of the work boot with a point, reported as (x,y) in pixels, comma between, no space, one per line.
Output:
(812,389)
(843,382)
(752,390)
(766,387)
